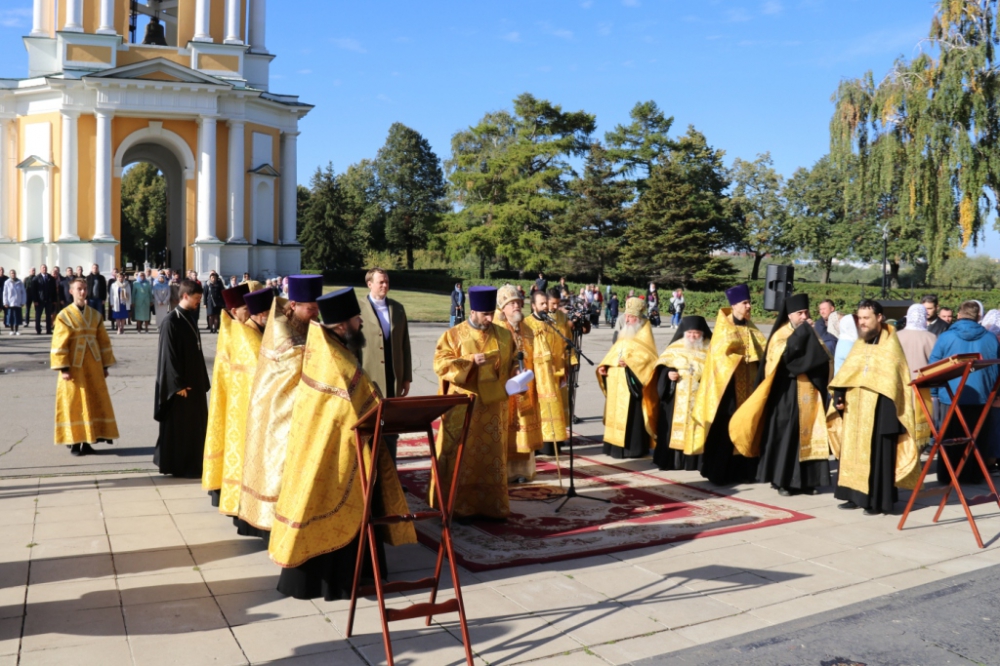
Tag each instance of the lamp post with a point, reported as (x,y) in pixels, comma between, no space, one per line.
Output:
(145,261)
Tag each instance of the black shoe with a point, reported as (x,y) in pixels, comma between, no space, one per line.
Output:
(87,450)
(848,505)
(784,493)
(75,450)
(871,512)
(810,491)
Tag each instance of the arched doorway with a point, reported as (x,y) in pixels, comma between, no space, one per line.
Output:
(172,252)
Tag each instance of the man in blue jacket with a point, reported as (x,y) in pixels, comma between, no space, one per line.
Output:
(966,336)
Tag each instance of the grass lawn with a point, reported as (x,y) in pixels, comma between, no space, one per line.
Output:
(420,305)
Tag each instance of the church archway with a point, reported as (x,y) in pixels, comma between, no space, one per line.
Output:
(173,253)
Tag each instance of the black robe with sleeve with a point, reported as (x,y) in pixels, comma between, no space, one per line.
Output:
(779,447)
(183,421)
(636,437)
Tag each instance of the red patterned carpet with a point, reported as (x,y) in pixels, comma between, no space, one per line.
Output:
(645,510)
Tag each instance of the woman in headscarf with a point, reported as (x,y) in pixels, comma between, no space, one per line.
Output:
(161,298)
(848,336)
(917,342)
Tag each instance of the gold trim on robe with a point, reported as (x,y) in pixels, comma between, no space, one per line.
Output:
(81,346)
(871,371)
(482,480)
(244,348)
(269,419)
(550,375)
(747,425)
(321,503)
(733,355)
(525,417)
(689,364)
(215,435)
(639,354)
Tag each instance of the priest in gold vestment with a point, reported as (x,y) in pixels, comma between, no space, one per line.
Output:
(571,371)
(318,518)
(81,354)
(727,381)
(784,420)
(476,357)
(550,369)
(244,349)
(678,375)
(525,435)
(275,382)
(875,427)
(626,379)
(220,401)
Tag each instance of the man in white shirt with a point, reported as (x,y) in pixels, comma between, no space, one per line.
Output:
(386,354)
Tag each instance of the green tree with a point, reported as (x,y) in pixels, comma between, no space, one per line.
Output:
(643,143)
(963,271)
(364,212)
(302,197)
(411,189)
(588,237)
(759,209)
(681,219)
(818,224)
(328,240)
(508,178)
(144,212)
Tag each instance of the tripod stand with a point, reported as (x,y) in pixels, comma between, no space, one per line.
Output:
(571,378)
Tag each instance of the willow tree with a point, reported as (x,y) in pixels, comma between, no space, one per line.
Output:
(925,138)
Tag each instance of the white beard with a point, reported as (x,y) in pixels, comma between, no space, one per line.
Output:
(700,344)
(516,318)
(629,331)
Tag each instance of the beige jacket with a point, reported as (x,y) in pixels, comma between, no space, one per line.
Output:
(373,355)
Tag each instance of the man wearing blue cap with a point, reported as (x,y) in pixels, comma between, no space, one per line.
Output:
(319,510)
(476,357)
(275,380)
(736,349)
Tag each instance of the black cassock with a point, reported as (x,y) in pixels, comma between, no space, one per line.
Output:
(882,492)
(183,421)
(636,437)
(665,457)
(779,447)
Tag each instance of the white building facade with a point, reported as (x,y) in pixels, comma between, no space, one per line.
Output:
(199,108)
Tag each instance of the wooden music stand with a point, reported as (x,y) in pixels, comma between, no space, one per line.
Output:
(399,416)
(938,376)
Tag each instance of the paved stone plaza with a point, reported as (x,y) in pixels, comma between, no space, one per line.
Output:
(106,562)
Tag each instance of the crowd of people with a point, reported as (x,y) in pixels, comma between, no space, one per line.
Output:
(744,408)
(124,300)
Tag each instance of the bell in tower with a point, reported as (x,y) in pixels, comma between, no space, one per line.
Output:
(155,35)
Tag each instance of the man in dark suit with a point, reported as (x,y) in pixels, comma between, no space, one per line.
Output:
(97,289)
(45,299)
(386,355)
(457,304)
(63,297)
(541,284)
(29,292)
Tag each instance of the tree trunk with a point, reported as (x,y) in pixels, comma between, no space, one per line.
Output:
(409,256)
(893,274)
(827,267)
(757,258)
(482,267)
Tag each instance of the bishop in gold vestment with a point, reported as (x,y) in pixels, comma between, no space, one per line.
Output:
(626,378)
(728,380)
(875,427)
(319,511)
(678,375)
(275,383)
(81,353)
(550,370)
(525,435)
(221,402)
(784,420)
(476,357)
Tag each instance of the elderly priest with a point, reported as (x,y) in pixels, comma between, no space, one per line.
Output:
(626,378)
(679,371)
(476,358)
(784,421)
(318,516)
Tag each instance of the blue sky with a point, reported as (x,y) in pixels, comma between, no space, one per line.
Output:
(753,76)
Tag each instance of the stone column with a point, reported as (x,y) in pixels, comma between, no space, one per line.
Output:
(289,186)
(38,20)
(74,16)
(233,16)
(202,21)
(107,26)
(258,26)
(103,180)
(237,182)
(206,179)
(68,177)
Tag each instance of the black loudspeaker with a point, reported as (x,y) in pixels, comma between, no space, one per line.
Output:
(777,285)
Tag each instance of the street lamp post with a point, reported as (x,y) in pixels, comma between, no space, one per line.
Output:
(145,262)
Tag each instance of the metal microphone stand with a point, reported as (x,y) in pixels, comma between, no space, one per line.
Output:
(570,345)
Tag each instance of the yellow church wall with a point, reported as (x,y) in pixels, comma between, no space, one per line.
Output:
(116,220)
(87,177)
(142,54)
(276,155)
(122,9)
(55,182)
(89,53)
(218,63)
(185,22)
(191,201)
(217,23)
(222,180)
(91,17)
